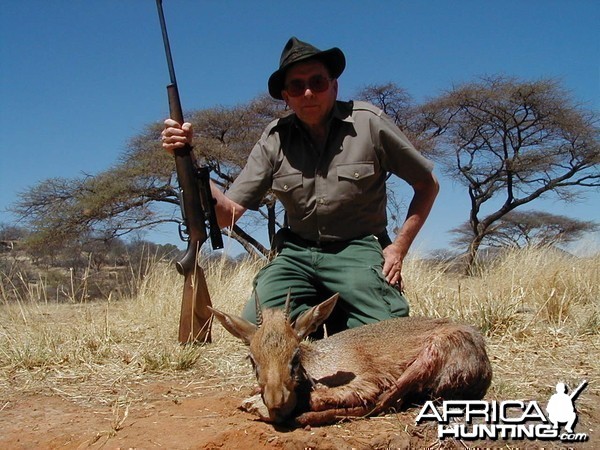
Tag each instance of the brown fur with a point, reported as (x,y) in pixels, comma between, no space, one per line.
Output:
(361,371)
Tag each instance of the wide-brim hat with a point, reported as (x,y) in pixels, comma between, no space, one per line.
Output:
(295,51)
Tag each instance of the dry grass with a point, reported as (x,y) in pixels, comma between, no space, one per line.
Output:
(539,309)
(99,351)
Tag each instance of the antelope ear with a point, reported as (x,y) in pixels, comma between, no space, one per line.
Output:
(310,320)
(237,326)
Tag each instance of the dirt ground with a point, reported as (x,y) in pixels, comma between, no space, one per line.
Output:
(161,417)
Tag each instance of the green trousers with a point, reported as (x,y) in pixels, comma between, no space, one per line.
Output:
(314,273)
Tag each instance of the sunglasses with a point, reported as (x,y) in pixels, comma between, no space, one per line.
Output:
(316,83)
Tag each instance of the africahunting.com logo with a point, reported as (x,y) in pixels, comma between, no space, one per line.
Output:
(511,419)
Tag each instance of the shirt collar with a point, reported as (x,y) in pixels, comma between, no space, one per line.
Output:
(343,111)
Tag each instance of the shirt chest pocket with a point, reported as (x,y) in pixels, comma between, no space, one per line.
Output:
(288,189)
(353,178)
(355,171)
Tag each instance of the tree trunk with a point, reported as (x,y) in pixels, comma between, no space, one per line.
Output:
(472,254)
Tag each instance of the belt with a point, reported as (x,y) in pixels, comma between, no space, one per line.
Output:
(383,238)
(323,245)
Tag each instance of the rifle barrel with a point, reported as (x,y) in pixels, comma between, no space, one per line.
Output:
(198,205)
(163,27)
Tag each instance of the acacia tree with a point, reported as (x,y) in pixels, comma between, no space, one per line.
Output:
(128,196)
(510,142)
(528,229)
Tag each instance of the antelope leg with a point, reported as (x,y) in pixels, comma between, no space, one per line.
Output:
(328,416)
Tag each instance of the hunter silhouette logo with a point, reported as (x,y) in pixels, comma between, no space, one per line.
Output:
(561,408)
(511,419)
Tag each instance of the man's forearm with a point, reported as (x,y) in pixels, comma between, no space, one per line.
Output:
(228,211)
(418,211)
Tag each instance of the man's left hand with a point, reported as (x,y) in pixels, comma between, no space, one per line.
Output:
(392,265)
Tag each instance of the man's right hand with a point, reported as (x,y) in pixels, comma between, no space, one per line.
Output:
(175,136)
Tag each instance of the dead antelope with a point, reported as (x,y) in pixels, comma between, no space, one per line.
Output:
(358,372)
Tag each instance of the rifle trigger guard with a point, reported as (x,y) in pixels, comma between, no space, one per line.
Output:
(183,233)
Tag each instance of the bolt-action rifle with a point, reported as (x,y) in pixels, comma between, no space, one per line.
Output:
(197,210)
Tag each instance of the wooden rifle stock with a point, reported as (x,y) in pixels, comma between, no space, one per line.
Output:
(197,209)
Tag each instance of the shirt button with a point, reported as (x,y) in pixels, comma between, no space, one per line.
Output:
(285,187)
(356,174)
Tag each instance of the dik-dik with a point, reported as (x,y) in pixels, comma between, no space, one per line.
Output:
(358,372)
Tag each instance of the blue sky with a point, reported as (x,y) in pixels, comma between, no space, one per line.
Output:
(80,78)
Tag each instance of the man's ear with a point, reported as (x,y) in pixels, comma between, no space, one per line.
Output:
(310,320)
(237,326)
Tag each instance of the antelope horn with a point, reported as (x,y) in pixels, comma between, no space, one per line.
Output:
(286,311)
(259,316)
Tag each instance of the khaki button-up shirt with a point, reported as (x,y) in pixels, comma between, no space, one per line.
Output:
(339,193)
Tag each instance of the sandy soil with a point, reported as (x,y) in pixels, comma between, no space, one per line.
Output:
(160,417)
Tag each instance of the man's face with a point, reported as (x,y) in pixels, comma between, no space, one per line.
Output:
(311,107)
